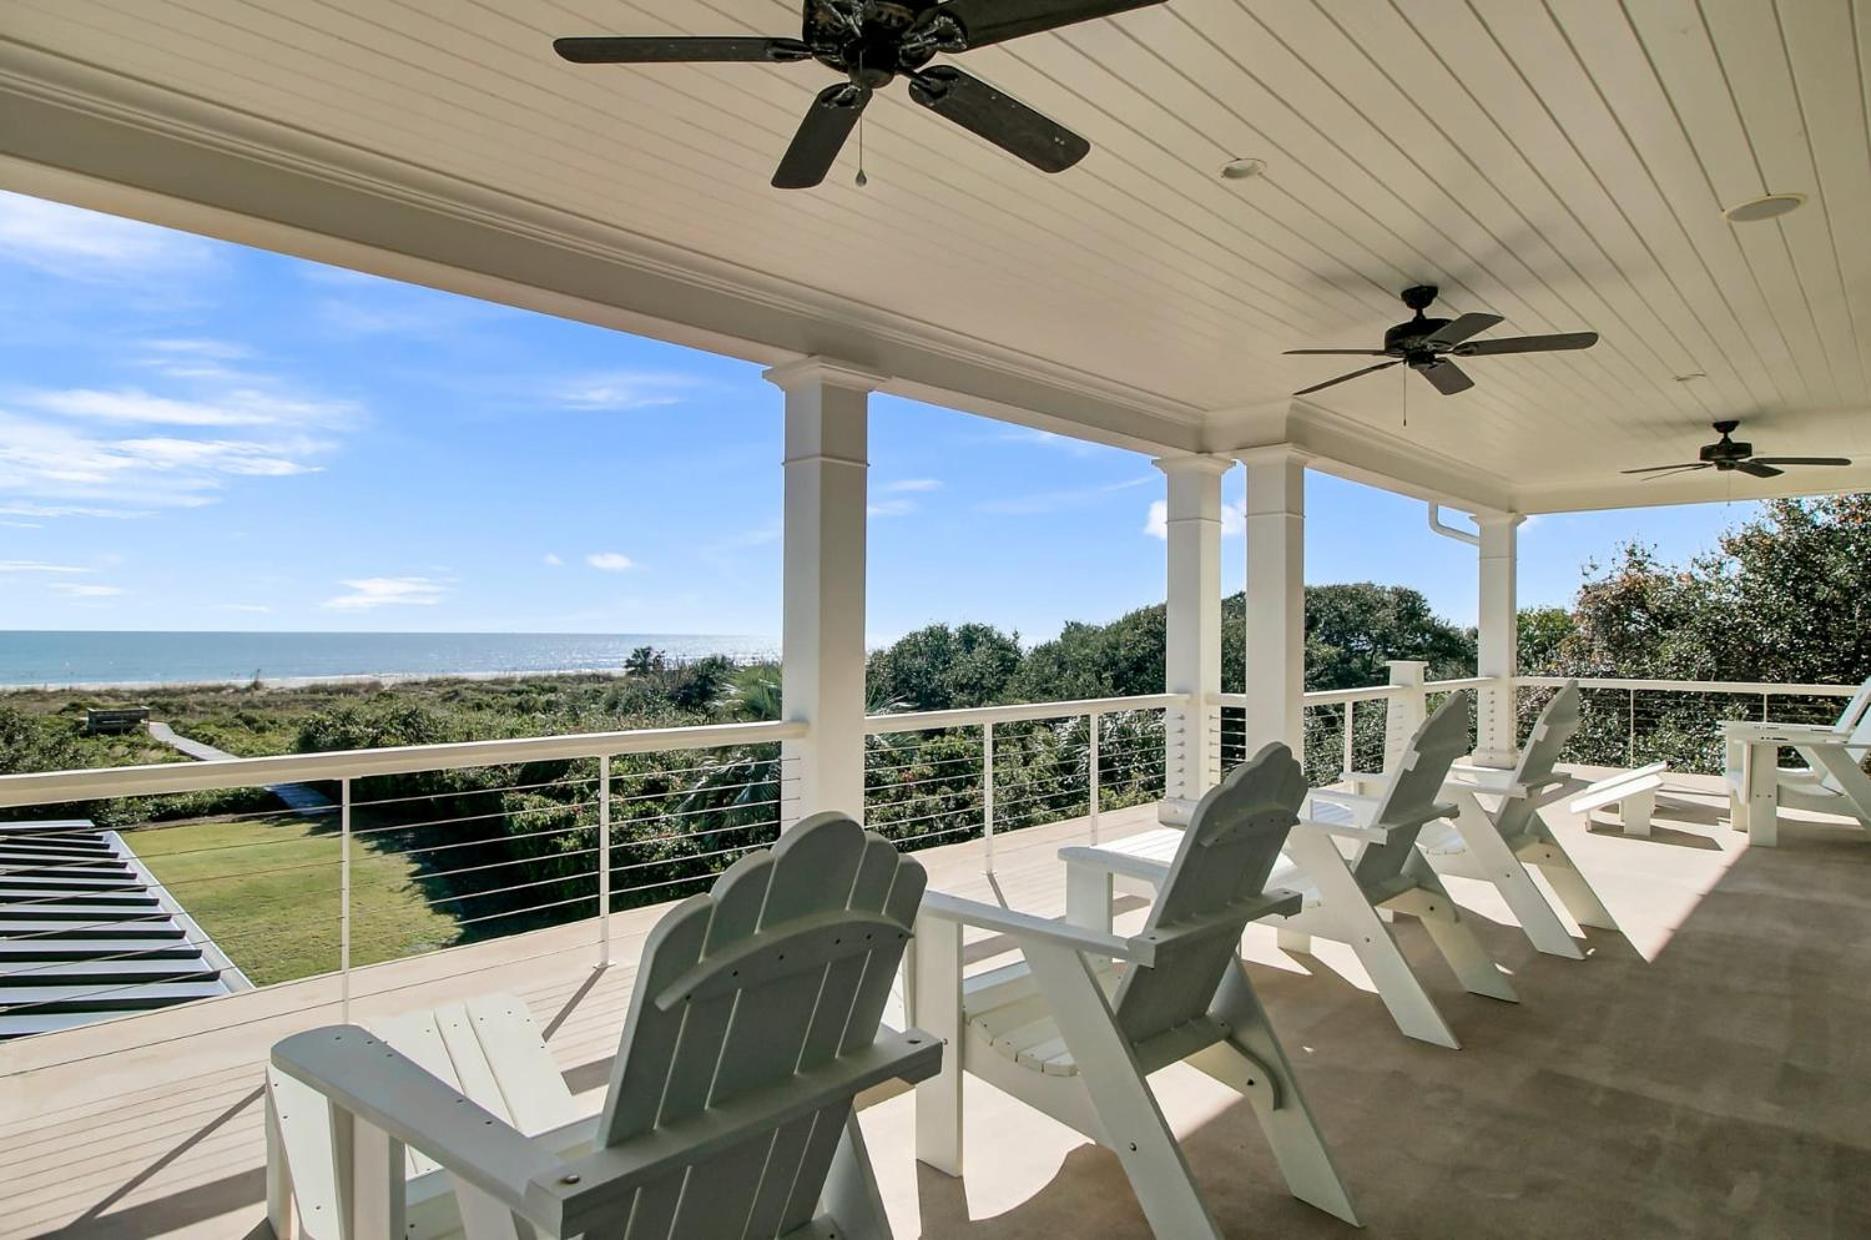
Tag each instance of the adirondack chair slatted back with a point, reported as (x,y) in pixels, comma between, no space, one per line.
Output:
(1857,745)
(1222,863)
(1411,798)
(1855,709)
(1551,731)
(785,966)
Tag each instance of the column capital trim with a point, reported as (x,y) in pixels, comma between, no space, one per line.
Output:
(1489,516)
(1273,454)
(823,371)
(1195,463)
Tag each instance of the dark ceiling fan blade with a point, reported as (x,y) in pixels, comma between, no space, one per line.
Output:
(1801,460)
(607,50)
(1527,344)
(1758,469)
(1460,329)
(1668,469)
(1346,378)
(1001,119)
(834,114)
(1336,353)
(995,21)
(1447,377)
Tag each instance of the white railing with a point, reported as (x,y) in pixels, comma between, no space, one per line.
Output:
(1632,721)
(399,851)
(1360,733)
(947,784)
(492,837)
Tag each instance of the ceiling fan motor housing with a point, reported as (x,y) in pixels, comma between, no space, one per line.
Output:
(868,44)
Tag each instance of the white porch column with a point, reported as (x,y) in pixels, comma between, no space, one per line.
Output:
(1276,596)
(1498,645)
(1193,621)
(822,626)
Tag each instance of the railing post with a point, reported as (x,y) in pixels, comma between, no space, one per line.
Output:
(1097,726)
(1405,709)
(1630,750)
(1351,709)
(344,900)
(604,861)
(987,793)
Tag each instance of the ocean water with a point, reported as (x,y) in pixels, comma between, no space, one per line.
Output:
(43,658)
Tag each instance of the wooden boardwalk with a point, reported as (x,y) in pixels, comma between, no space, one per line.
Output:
(1705,1076)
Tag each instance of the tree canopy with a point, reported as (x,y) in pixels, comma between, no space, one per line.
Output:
(1351,630)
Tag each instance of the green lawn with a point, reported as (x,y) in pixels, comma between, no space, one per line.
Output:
(266,890)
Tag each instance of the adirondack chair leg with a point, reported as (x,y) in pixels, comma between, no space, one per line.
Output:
(280,1210)
(935,994)
(1635,813)
(371,1186)
(1497,863)
(1455,938)
(851,1194)
(1140,1136)
(1088,897)
(484,1218)
(1572,889)
(1293,1133)
(1358,925)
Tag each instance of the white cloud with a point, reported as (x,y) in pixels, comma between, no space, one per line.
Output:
(38,566)
(625,390)
(258,609)
(610,561)
(64,453)
(1046,439)
(891,508)
(86,590)
(87,245)
(1057,501)
(909,486)
(239,407)
(552,558)
(367,593)
(217,350)
(1233,520)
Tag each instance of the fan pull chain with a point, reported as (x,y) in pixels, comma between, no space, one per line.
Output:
(862,180)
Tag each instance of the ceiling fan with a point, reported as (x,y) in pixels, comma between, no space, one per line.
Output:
(1728,456)
(1425,345)
(871,42)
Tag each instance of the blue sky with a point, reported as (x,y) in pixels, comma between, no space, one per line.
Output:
(195,435)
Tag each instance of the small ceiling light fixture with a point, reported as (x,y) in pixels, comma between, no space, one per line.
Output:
(1770,207)
(1243,169)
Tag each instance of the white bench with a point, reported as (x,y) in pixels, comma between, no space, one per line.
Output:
(1633,792)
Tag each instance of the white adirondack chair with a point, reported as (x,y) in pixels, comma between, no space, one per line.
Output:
(753,1025)
(1348,899)
(1498,832)
(1834,780)
(1078,1028)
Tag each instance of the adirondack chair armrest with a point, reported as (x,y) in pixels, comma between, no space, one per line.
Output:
(942,906)
(1488,778)
(371,1080)
(1358,832)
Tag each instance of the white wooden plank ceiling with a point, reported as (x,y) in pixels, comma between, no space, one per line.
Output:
(1562,164)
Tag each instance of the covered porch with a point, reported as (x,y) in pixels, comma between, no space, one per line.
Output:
(1700,1073)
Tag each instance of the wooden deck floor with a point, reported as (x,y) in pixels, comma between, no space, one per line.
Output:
(1705,1075)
